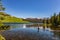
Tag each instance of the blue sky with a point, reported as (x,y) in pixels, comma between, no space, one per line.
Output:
(31,8)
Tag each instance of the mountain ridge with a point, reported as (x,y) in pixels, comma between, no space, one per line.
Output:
(4,17)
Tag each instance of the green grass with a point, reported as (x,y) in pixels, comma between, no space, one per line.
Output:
(1,37)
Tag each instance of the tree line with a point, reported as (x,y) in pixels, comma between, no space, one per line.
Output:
(53,20)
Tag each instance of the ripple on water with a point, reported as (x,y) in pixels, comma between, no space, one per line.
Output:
(27,34)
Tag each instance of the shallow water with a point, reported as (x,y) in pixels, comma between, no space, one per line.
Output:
(21,32)
(29,34)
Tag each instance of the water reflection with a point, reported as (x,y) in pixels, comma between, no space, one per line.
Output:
(27,34)
(21,32)
(38,29)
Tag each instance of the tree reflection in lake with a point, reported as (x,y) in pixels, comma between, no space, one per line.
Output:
(57,34)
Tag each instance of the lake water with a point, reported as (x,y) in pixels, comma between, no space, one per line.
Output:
(22,32)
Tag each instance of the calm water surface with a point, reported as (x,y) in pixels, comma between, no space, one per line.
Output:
(21,32)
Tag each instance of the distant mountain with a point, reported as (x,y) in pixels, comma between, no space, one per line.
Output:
(34,20)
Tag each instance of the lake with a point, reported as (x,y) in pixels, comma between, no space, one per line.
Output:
(23,32)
